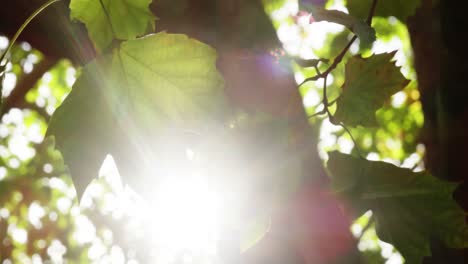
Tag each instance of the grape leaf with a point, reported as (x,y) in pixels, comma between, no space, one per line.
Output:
(104,19)
(400,9)
(365,32)
(172,72)
(410,208)
(368,83)
(126,102)
(82,125)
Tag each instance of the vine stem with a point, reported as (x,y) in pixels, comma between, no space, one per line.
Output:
(330,68)
(25,24)
(343,52)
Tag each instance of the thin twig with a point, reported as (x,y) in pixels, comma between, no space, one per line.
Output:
(324,75)
(343,52)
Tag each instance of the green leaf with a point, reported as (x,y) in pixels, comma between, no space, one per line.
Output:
(368,84)
(125,102)
(81,126)
(400,9)
(365,33)
(113,19)
(410,208)
(176,74)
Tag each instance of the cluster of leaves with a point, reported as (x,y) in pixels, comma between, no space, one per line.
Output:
(397,197)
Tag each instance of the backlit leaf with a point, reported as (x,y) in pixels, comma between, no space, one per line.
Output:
(124,103)
(113,19)
(368,84)
(410,208)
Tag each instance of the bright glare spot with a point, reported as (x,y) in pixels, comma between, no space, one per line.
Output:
(4,42)
(387,249)
(96,250)
(290,8)
(311,98)
(190,154)
(373,156)
(53,216)
(327,137)
(19,235)
(40,101)
(4,152)
(26,46)
(8,83)
(290,36)
(64,204)
(356,229)
(411,161)
(85,230)
(56,250)
(4,131)
(320,81)
(15,116)
(36,259)
(185,215)
(345,145)
(354,47)
(398,99)
(392,161)
(58,184)
(117,255)
(299,77)
(35,213)
(303,21)
(4,213)
(47,77)
(71,76)
(28,67)
(393,143)
(44,90)
(14,163)
(110,172)
(34,133)
(32,58)
(48,168)
(395,258)
(3,173)
(316,33)
(19,146)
